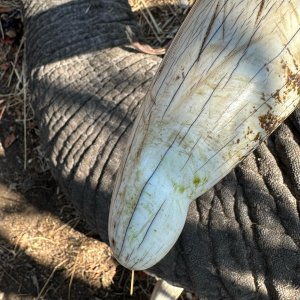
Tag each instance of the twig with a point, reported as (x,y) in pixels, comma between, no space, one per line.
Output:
(24,112)
(10,199)
(131,282)
(49,278)
(18,242)
(159,31)
(72,274)
(2,110)
(40,238)
(76,220)
(121,278)
(152,25)
(11,277)
(1,30)
(15,61)
(8,250)
(9,95)
(147,49)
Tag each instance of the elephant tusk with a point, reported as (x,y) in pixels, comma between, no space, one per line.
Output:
(227,82)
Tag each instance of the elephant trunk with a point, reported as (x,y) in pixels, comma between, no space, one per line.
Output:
(87,83)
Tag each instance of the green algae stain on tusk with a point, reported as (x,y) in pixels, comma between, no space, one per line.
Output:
(198,181)
(178,187)
(229,79)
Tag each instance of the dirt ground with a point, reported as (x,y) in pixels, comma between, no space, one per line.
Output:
(46,250)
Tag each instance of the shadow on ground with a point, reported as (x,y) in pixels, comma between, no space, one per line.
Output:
(46,250)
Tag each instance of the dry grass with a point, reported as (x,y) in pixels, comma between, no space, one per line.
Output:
(160,19)
(45,251)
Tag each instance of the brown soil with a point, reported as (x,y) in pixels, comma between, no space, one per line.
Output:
(46,250)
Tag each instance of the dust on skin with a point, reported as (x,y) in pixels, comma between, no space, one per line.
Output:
(251,137)
(269,122)
(292,82)
(249,131)
(257,137)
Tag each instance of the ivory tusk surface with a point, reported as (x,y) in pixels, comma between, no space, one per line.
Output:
(229,79)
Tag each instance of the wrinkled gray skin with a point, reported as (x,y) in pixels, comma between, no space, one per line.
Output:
(242,238)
